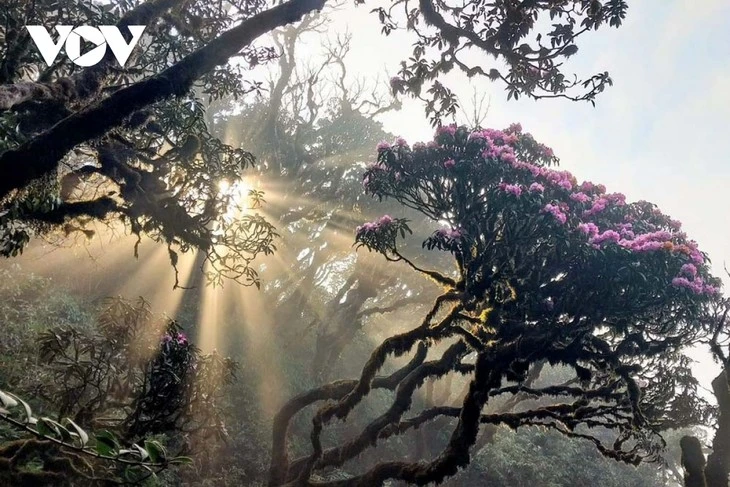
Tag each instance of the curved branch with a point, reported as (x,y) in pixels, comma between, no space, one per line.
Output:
(47,149)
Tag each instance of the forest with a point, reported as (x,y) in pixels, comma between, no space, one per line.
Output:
(296,244)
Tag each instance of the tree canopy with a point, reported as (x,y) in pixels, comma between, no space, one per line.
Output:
(131,144)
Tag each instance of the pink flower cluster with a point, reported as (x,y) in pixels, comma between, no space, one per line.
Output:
(590,229)
(607,236)
(651,242)
(179,338)
(374,226)
(562,179)
(536,188)
(449,233)
(514,189)
(446,129)
(449,163)
(383,145)
(580,197)
(696,285)
(495,137)
(599,205)
(555,211)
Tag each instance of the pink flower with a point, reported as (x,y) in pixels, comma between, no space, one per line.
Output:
(618,199)
(589,228)
(385,220)
(477,135)
(366,228)
(182,339)
(446,129)
(688,270)
(514,189)
(401,142)
(508,157)
(449,163)
(607,236)
(515,128)
(647,247)
(580,197)
(449,233)
(708,289)
(598,206)
(166,338)
(536,188)
(383,145)
(697,286)
(556,212)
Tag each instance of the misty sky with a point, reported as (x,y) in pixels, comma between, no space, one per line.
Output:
(658,134)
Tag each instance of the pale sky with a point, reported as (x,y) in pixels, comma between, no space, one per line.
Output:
(658,134)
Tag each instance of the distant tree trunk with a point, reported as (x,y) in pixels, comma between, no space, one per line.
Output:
(693,461)
(713,473)
(718,462)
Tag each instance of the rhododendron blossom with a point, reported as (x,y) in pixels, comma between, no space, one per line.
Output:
(493,161)
(514,189)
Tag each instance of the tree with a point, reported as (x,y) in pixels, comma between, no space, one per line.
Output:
(133,377)
(713,471)
(546,271)
(131,144)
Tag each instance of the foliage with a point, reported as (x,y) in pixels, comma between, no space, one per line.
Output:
(148,372)
(62,446)
(530,456)
(134,379)
(531,39)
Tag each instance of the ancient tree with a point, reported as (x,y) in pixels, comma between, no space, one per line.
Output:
(546,271)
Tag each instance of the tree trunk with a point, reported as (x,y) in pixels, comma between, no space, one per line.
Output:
(715,472)
(718,462)
(693,461)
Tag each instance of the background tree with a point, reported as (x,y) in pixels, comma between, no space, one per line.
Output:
(713,470)
(133,378)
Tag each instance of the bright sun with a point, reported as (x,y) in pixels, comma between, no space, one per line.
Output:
(238,192)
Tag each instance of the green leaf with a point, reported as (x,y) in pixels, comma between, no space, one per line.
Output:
(83,435)
(156,451)
(181,461)
(106,443)
(56,429)
(45,429)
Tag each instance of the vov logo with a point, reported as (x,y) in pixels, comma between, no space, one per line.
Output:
(101,36)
